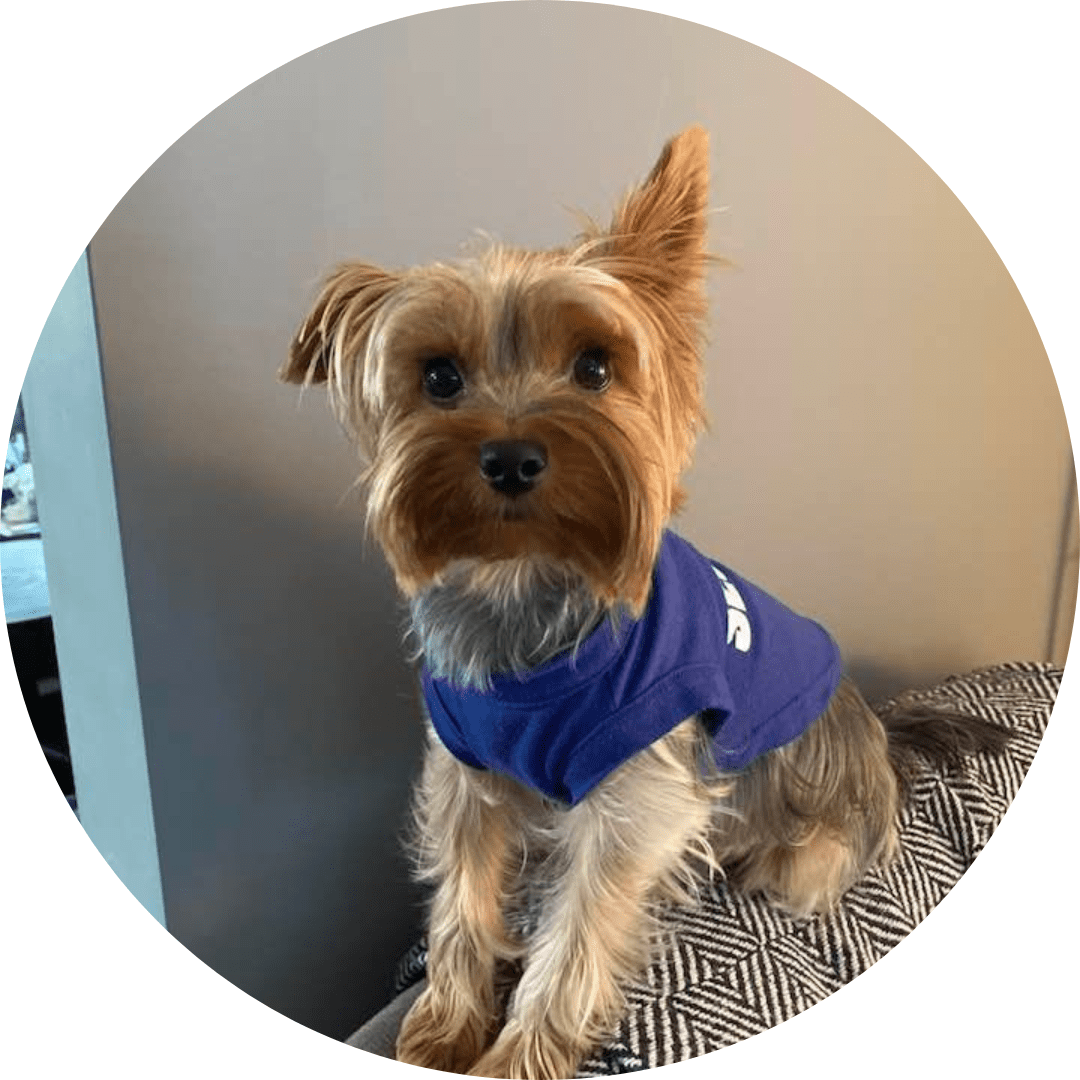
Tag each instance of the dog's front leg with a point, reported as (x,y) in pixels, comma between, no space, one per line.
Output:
(616,849)
(465,834)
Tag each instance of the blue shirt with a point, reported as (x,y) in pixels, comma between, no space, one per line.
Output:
(709,641)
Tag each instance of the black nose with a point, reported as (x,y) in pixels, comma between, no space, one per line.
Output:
(512,466)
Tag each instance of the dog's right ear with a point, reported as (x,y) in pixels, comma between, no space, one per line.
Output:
(332,339)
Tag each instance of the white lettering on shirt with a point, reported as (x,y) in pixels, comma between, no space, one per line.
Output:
(738,622)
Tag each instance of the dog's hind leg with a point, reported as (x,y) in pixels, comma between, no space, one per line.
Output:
(812,817)
(616,850)
(465,838)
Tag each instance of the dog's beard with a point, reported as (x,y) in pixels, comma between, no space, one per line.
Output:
(482,619)
(598,514)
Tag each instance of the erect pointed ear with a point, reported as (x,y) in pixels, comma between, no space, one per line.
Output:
(664,219)
(330,341)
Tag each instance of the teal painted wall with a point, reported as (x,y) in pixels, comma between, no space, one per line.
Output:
(65,412)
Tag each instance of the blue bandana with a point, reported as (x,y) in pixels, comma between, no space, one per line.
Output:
(709,641)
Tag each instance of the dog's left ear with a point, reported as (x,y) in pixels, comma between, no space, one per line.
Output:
(664,220)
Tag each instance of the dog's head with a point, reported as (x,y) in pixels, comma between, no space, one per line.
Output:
(528,407)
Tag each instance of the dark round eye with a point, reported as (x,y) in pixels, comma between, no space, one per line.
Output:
(442,380)
(591,369)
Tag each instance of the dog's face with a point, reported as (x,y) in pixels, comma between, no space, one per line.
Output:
(526,408)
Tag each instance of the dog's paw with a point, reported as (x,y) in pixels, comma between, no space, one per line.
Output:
(436,1035)
(529,1054)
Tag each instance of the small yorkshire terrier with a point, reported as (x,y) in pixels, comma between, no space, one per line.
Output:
(609,711)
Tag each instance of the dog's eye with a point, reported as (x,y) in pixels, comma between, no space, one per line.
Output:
(442,380)
(591,369)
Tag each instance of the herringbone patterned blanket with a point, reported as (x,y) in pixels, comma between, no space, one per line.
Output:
(734,966)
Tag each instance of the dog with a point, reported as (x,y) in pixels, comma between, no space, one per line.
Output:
(611,715)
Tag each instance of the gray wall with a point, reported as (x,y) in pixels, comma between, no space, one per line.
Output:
(888,450)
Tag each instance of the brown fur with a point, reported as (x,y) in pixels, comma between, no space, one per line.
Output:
(512,317)
(800,824)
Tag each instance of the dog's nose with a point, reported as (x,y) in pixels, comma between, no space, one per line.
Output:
(512,466)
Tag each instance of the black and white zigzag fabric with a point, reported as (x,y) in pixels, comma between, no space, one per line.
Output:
(735,966)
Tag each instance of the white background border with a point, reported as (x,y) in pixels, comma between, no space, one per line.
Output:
(92,93)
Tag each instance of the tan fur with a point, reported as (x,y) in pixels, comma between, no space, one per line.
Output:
(811,817)
(801,824)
